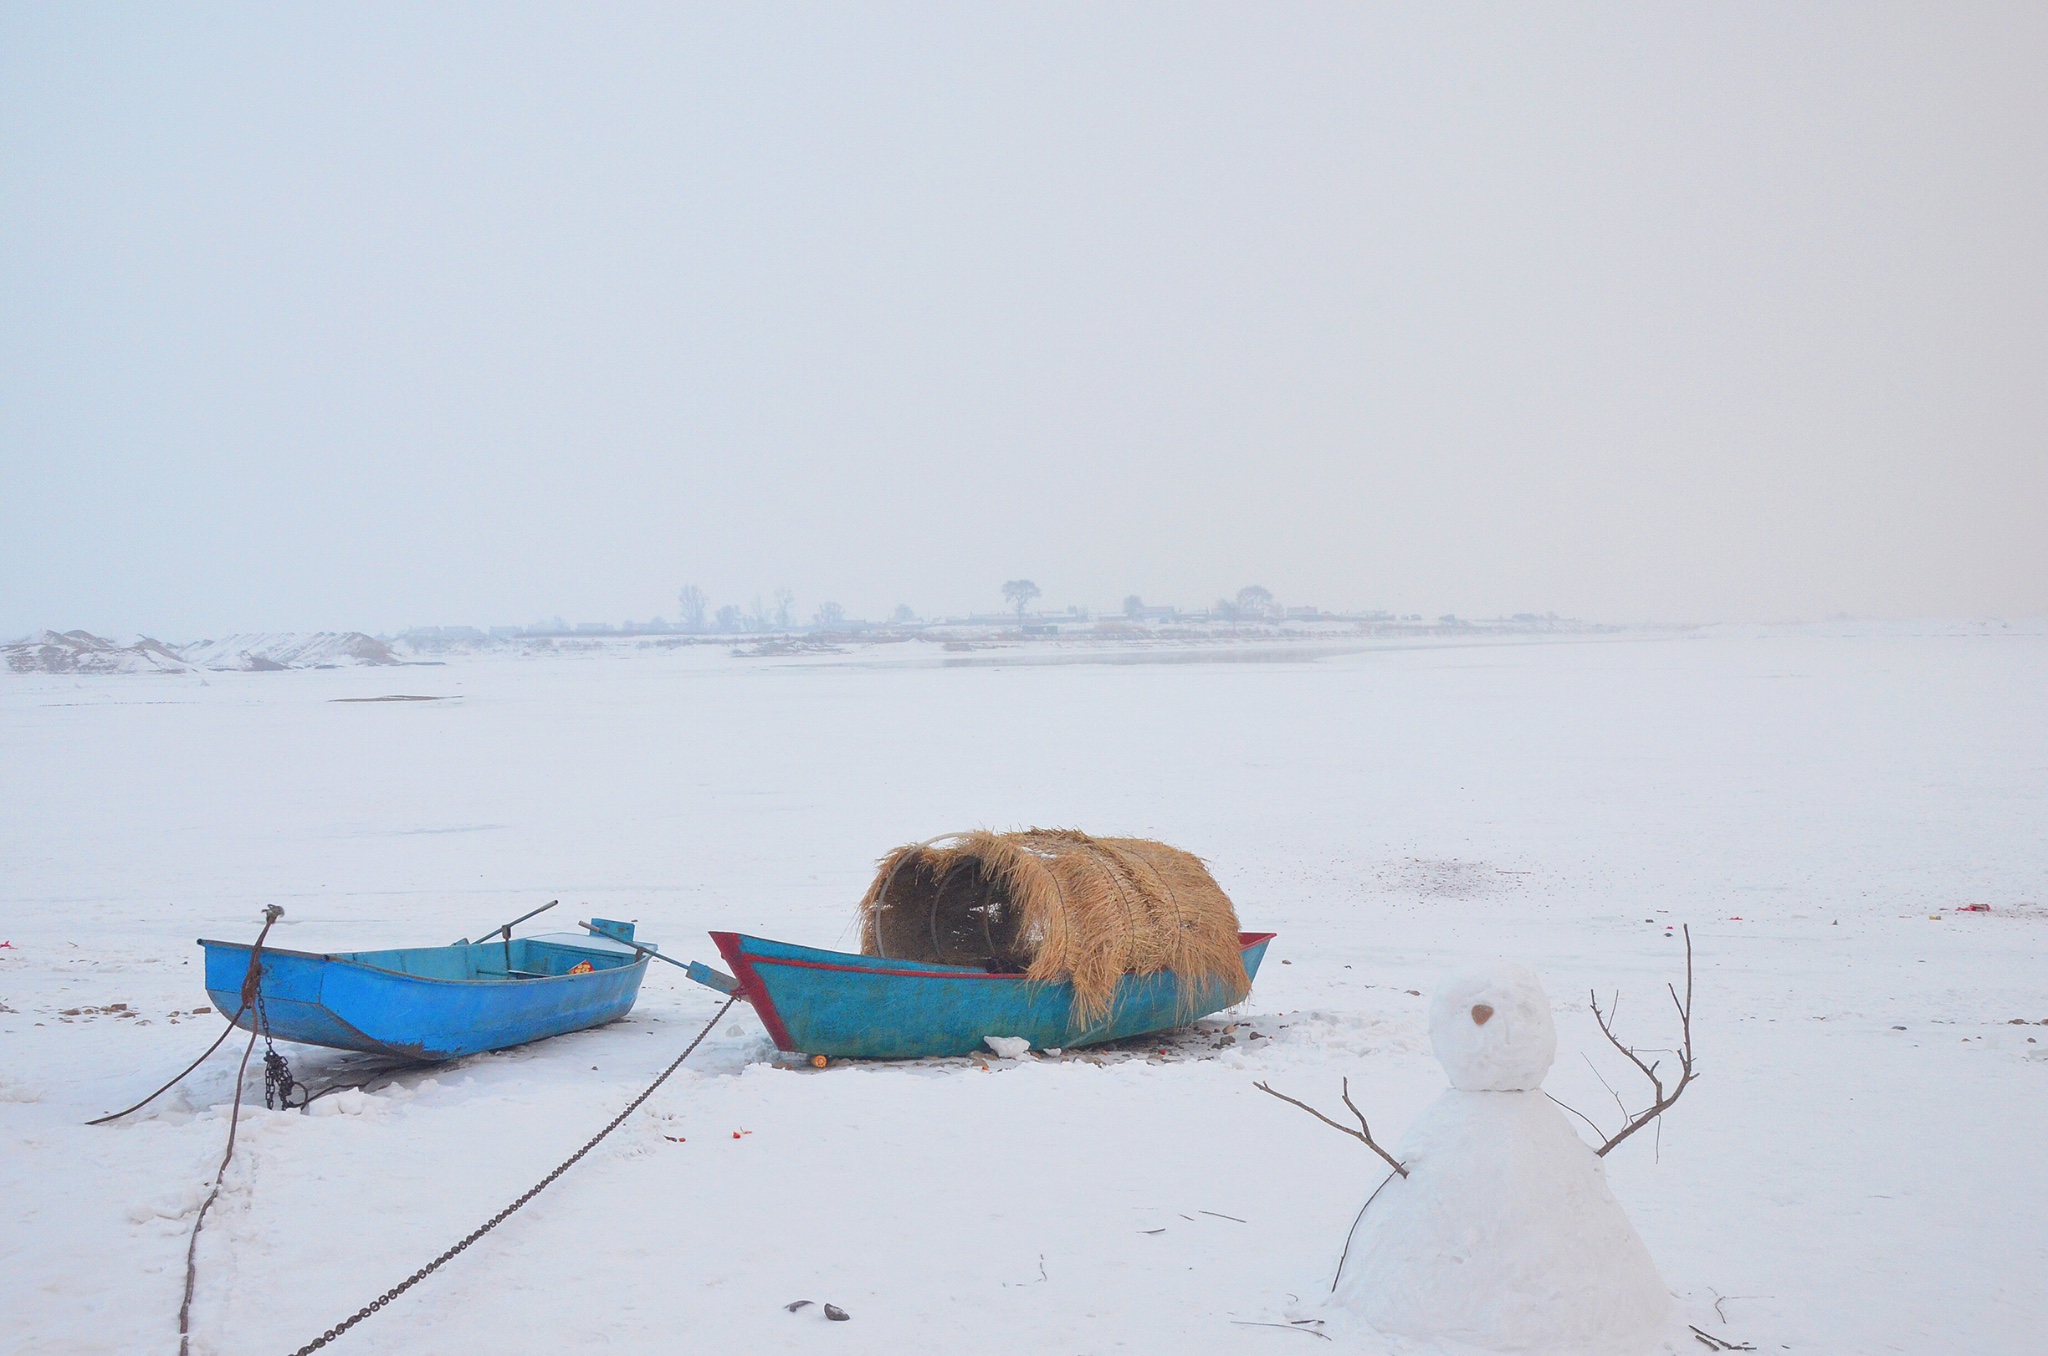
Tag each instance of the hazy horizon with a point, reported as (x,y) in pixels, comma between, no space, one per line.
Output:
(1380,623)
(388,318)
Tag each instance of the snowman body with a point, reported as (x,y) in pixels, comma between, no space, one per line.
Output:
(1503,1235)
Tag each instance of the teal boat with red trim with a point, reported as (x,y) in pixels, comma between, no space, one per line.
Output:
(833,1003)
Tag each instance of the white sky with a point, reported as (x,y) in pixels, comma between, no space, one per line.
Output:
(379,317)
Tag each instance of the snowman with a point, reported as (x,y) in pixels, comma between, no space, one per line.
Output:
(1502,1235)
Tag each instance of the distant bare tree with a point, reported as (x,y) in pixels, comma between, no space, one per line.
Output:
(829,616)
(785,609)
(1255,601)
(729,618)
(902,615)
(1134,607)
(693,604)
(1224,608)
(1019,593)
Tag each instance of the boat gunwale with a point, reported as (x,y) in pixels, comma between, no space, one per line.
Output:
(331,958)
(931,970)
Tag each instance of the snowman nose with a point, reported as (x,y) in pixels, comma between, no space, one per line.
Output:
(1481,1013)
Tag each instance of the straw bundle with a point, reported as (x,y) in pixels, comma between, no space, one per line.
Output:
(1055,904)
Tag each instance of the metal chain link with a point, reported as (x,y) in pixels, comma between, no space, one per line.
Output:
(277,1073)
(278,1082)
(430,1268)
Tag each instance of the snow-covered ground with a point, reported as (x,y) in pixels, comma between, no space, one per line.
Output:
(1858,1170)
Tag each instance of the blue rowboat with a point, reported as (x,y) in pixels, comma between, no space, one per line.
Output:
(436,1002)
(831,1003)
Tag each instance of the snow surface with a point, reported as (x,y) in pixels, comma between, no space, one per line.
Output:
(268,651)
(1857,1170)
(1501,1233)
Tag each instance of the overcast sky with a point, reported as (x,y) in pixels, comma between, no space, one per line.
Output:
(370,318)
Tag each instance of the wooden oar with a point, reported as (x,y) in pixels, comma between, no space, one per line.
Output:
(505,930)
(697,970)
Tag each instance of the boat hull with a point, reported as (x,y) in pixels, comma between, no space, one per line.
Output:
(817,1002)
(430,1003)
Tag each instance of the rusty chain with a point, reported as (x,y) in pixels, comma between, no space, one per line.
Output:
(494,1221)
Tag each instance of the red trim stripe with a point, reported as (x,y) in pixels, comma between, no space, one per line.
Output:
(877,970)
(754,990)
(1245,940)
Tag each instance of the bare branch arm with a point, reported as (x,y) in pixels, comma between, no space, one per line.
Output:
(1663,1100)
(1363,1135)
(1607,1085)
(1607,1029)
(1364,1130)
(1582,1115)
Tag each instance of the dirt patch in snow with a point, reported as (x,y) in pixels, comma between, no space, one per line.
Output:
(1441,878)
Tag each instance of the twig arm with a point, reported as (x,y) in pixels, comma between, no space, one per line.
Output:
(1606,1021)
(1662,1100)
(1363,1135)
(1581,1115)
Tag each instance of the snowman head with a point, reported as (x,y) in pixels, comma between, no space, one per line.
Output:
(1491,1028)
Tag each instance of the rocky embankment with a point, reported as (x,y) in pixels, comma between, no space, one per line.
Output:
(84,652)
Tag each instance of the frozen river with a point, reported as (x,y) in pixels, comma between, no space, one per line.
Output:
(1858,1169)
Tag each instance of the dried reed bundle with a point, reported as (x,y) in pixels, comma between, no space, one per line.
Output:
(1056,904)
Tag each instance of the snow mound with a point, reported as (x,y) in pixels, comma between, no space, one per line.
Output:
(1492,1030)
(260,653)
(1503,1235)
(84,652)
